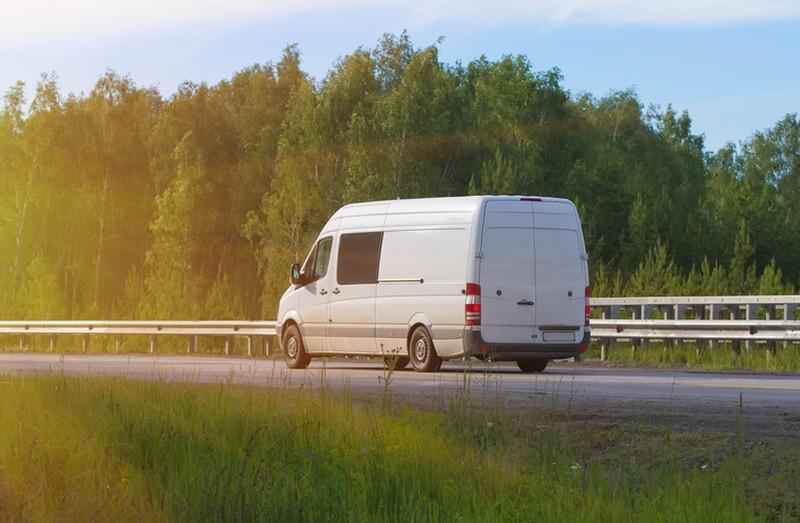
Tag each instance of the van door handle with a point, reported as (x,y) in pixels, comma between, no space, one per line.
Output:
(336,291)
(323,292)
(524,302)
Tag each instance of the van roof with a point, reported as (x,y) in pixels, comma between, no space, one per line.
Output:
(446,204)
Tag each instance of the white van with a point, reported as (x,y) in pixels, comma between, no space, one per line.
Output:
(426,280)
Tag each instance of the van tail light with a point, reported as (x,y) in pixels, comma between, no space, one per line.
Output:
(587,308)
(472,307)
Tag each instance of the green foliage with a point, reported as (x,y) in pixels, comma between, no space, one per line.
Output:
(742,273)
(656,275)
(714,281)
(40,297)
(173,288)
(771,281)
(222,302)
(80,449)
(498,175)
(699,356)
(140,206)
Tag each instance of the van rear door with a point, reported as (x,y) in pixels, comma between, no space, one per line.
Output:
(560,272)
(507,275)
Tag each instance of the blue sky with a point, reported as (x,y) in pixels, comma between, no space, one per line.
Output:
(732,65)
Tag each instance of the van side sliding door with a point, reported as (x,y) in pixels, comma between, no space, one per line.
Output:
(352,305)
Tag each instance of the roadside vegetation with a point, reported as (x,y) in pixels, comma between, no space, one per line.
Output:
(723,356)
(81,449)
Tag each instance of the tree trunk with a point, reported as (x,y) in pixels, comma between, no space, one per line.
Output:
(101,236)
(21,204)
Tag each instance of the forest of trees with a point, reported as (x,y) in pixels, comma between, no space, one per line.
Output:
(122,203)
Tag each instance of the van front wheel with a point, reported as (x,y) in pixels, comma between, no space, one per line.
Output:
(294,352)
(532,365)
(422,353)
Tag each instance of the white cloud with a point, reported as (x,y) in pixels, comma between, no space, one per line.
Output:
(39,21)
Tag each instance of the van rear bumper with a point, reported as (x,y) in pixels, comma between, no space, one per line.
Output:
(474,345)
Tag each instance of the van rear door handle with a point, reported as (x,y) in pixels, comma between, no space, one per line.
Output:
(524,302)
(336,291)
(323,292)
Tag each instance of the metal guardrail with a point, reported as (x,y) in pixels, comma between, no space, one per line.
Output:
(666,318)
(253,331)
(736,319)
(719,330)
(703,307)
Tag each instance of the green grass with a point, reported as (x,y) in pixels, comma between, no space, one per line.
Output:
(80,449)
(701,356)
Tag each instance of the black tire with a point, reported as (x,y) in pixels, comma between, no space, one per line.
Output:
(422,352)
(396,362)
(294,351)
(532,365)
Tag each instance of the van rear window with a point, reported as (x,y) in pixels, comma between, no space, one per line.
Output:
(359,256)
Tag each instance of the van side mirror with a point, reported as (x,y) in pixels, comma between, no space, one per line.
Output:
(295,276)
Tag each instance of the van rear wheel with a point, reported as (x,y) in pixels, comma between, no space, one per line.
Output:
(422,352)
(532,365)
(294,352)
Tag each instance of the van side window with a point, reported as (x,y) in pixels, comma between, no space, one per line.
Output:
(359,256)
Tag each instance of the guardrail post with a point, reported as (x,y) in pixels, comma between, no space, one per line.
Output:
(117,343)
(614,315)
(770,312)
(189,344)
(736,345)
(267,340)
(699,312)
(751,313)
(668,313)
(153,343)
(788,314)
(53,343)
(605,344)
(771,315)
(249,345)
(714,313)
(636,314)
(647,314)
(788,311)
(228,344)
(679,313)
(85,343)
(21,342)
(605,311)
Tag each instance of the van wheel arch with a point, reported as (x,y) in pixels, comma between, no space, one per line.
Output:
(286,324)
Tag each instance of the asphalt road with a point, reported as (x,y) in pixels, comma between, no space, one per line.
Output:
(684,399)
